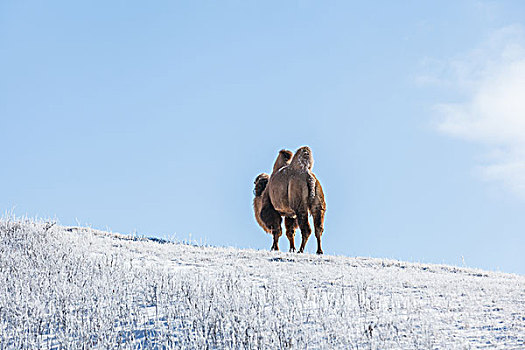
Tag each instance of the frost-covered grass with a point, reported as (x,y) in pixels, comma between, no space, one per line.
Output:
(77,288)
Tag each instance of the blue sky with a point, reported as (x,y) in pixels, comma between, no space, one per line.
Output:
(156,118)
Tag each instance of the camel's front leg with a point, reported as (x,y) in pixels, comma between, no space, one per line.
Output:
(276,234)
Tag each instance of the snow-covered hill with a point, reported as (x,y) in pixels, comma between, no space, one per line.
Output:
(67,287)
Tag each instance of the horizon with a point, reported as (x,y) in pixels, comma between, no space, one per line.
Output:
(156,119)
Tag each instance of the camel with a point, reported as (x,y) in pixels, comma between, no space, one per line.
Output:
(293,191)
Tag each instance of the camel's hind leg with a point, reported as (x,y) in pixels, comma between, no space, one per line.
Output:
(305,229)
(291,225)
(319,227)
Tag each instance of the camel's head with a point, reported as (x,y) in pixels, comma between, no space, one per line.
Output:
(303,158)
(260,184)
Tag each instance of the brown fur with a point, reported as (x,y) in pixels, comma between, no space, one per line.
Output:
(260,185)
(293,191)
(283,158)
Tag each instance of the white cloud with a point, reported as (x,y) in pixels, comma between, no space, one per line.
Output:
(492,81)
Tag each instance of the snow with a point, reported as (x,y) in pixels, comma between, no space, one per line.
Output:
(75,287)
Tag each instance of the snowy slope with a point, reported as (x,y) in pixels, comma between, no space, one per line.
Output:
(72,287)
